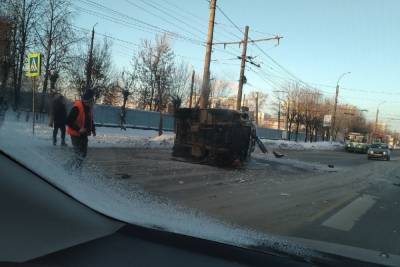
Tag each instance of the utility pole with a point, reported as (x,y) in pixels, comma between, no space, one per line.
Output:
(334,112)
(245,59)
(376,118)
(242,68)
(191,90)
(335,107)
(205,88)
(90,63)
(257,108)
(279,114)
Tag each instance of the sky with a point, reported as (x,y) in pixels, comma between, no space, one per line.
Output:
(321,40)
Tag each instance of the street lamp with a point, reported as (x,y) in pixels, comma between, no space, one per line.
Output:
(335,107)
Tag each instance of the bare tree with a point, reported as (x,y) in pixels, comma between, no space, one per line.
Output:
(156,75)
(180,84)
(129,84)
(251,100)
(102,70)
(5,54)
(55,36)
(112,96)
(24,14)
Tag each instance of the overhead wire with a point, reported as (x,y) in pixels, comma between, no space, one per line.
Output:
(160,17)
(133,22)
(263,52)
(126,42)
(163,11)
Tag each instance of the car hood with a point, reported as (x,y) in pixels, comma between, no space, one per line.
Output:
(378,149)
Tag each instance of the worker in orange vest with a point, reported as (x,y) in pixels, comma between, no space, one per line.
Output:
(80,126)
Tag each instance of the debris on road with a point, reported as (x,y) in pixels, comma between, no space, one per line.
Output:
(284,194)
(277,154)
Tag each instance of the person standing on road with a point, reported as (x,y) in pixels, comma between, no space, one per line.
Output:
(80,126)
(58,117)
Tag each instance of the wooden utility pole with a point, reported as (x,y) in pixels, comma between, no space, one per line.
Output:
(205,88)
(242,67)
(90,63)
(244,58)
(191,90)
(257,108)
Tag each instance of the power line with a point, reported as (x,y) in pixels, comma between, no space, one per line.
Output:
(229,19)
(126,42)
(162,18)
(176,7)
(100,6)
(151,3)
(262,51)
(138,24)
(105,35)
(117,21)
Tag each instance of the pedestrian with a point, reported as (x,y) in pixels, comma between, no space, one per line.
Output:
(80,126)
(58,117)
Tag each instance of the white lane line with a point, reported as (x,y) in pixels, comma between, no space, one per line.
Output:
(346,218)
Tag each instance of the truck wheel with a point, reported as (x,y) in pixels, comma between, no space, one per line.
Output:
(388,158)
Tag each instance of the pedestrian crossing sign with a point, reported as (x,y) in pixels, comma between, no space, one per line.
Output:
(35,65)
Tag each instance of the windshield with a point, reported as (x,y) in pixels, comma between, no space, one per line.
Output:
(178,116)
(382,146)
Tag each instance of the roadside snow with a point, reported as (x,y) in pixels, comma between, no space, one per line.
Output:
(131,138)
(106,136)
(292,145)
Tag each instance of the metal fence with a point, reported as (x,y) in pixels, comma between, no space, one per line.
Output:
(109,116)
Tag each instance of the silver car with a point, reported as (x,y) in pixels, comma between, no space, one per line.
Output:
(379,151)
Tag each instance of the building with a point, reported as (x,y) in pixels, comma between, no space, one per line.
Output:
(272,122)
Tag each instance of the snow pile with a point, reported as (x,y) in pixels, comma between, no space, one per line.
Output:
(292,145)
(131,138)
(120,199)
(106,136)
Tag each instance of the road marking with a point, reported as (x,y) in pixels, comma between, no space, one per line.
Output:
(346,218)
(329,208)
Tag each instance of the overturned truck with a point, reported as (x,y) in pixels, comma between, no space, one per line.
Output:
(215,136)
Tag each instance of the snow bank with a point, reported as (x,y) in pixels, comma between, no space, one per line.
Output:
(106,136)
(292,145)
(132,138)
(119,198)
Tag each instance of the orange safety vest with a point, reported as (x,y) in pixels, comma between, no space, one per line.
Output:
(80,120)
